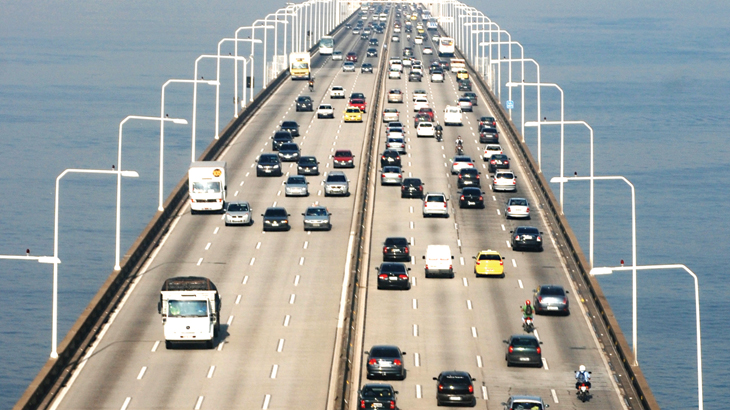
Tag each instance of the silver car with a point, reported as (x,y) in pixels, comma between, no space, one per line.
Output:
(395,96)
(434,203)
(504,181)
(517,208)
(396,143)
(317,217)
(336,183)
(238,213)
(296,185)
(391,175)
(348,66)
(337,55)
(551,299)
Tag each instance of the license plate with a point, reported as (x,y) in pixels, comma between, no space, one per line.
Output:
(455,398)
(393,278)
(470,203)
(527,237)
(552,308)
(275,224)
(376,405)
(384,364)
(524,359)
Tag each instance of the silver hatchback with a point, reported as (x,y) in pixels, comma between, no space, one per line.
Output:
(238,213)
(296,185)
(317,217)
(391,175)
(517,208)
(396,143)
(336,183)
(551,299)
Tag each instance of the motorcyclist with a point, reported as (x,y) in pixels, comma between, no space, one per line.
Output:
(439,130)
(459,144)
(527,310)
(311,84)
(582,376)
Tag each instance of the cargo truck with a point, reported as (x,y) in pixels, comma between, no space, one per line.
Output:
(190,307)
(299,66)
(207,186)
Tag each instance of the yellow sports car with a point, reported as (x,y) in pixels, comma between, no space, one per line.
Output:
(353,114)
(489,263)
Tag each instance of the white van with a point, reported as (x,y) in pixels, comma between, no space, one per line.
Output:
(439,261)
(452,115)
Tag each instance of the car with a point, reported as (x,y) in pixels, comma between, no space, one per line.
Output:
(365,35)
(455,387)
(394,131)
(279,138)
(425,129)
(385,361)
(420,102)
(517,208)
(352,114)
(391,175)
(391,115)
(435,203)
(471,197)
(491,149)
(289,152)
(238,213)
(359,103)
(488,122)
(498,161)
(453,115)
(419,93)
(427,51)
(390,157)
(357,95)
(395,39)
(394,74)
(526,237)
(414,76)
(268,164)
(337,91)
(336,183)
(393,275)
(276,219)
(396,249)
(459,162)
(418,40)
(428,111)
(523,350)
(325,111)
(366,68)
(377,396)
(355,31)
(465,104)
(525,403)
(396,143)
(317,217)
(462,75)
(551,299)
(504,181)
(343,158)
(489,263)
(437,76)
(445,65)
(291,126)
(307,165)
(464,84)
(472,96)
(348,67)
(417,68)
(373,42)
(488,134)
(468,177)
(393,124)
(337,55)
(351,56)
(434,66)
(411,188)
(304,103)
(407,52)
(296,185)
(395,95)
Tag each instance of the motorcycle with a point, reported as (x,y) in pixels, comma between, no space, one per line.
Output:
(439,135)
(459,149)
(527,324)
(583,388)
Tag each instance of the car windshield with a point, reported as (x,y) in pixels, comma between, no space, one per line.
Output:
(276,212)
(353,110)
(316,212)
(296,180)
(336,178)
(489,257)
(187,308)
(456,379)
(343,154)
(551,291)
(304,99)
(268,159)
(469,171)
(526,406)
(518,202)
(505,175)
(289,147)
(377,392)
(435,198)
(206,187)
(307,161)
(462,159)
(394,170)
(234,207)
(393,268)
(524,341)
(396,242)
(412,182)
(527,231)
(289,124)
(384,351)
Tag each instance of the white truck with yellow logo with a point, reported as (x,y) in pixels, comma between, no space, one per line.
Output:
(207,186)
(190,307)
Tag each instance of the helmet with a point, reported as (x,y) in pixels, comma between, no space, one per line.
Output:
(527,302)
(582,368)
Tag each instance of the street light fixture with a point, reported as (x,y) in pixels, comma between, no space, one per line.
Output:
(609,270)
(499,67)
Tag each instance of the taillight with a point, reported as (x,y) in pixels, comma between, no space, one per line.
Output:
(509,209)
(372,362)
(501,263)
(392,404)
(383,276)
(538,350)
(462,197)
(459,176)
(405,249)
(445,204)
(362,404)
(492,162)
(382,176)
(397,362)
(539,239)
(400,176)
(565,300)
(471,165)
(441,387)
(528,209)
(477,176)
(451,266)
(420,188)
(471,389)
(517,238)
(385,249)
(481,198)
(403,277)
(511,349)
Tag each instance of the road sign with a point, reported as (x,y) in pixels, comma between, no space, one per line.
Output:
(510,104)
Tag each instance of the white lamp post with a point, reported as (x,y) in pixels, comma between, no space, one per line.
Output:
(119,176)
(235,73)
(510,60)
(609,270)
(251,57)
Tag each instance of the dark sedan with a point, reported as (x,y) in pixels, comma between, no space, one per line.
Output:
(551,299)
(411,188)
(289,152)
(396,249)
(523,350)
(526,237)
(487,121)
(468,177)
(455,387)
(471,197)
(379,396)
(393,275)
(281,137)
(307,165)
(290,126)
(366,68)
(276,219)
(372,52)
(390,157)
(414,76)
(498,161)
(304,103)
(385,361)
(488,134)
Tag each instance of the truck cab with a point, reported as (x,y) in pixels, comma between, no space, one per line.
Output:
(190,309)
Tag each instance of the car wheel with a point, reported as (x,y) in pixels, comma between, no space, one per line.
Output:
(402,376)
(168,344)
(227,224)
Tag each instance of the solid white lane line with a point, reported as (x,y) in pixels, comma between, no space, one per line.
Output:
(210,372)
(468,304)
(199,261)
(230,320)
(544,364)
(258,245)
(238,299)
(519,282)
(461,259)
(207,246)
(267,399)
(252,261)
(287,318)
(466,283)
(484,393)
(415,330)
(418,391)
(274,369)
(479,361)
(199,403)
(296,280)
(141,372)
(291,299)
(514,263)
(474,331)
(306,244)
(245,280)
(280,346)
(155,346)
(215,231)
(126,403)
(301,261)
(555,396)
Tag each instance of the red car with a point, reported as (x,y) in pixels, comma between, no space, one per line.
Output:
(351,56)
(343,158)
(358,102)
(427,111)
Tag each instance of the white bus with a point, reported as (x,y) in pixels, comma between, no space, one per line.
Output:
(326,45)
(446,47)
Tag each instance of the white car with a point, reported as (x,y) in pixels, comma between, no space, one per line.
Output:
(427,51)
(337,55)
(461,162)
(452,115)
(390,115)
(394,74)
(437,77)
(434,203)
(504,181)
(417,69)
(325,111)
(394,131)
(395,39)
(420,102)
(407,62)
(491,149)
(395,96)
(425,129)
(419,40)
(337,92)
(517,208)
(419,93)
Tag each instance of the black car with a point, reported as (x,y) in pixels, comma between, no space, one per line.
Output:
(421,116)
(281,137)
(396,249)
(414,76)
(468,177)
(276,219)
(289,152)
(487,121)
(488,134)
(372,52)
(407,52)
(268,164)
(526,237)
(473,98)
(290,126)
(464,84)
(385,361)
(445,65)
(373,42)
(551,299)
(390,157)
(455,387)
(498,161)
(471,197)
(379,396)
(304,103)
(366,68)
(307,165)
(393,275)
(523,350)
(411,188)
(357,95)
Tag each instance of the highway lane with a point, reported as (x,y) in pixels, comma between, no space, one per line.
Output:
(446,324)
(280,290)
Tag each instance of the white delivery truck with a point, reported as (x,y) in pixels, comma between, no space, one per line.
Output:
(452,115)
(190,307)
(207,185)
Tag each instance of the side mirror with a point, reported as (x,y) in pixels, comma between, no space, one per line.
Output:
(452,256)
(409,268)
(302,213)
(511,231)
(423,257)
(435,378)
(505,342)
(403,353)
